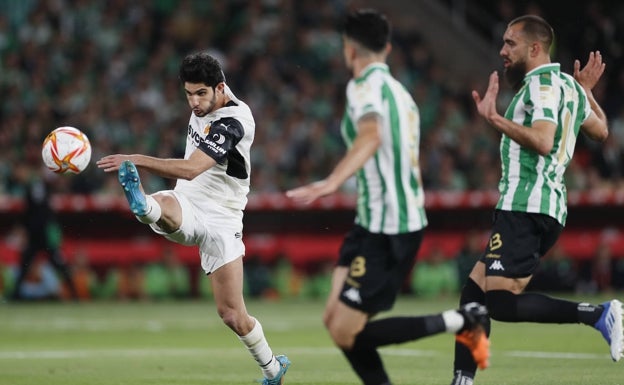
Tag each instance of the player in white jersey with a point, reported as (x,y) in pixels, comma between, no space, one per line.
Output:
(206,206)
(381,128)
(539,132)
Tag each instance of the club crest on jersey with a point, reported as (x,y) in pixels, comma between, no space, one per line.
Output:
(207,129)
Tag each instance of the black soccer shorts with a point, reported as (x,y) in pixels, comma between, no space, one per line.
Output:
(378,266)
(517,243)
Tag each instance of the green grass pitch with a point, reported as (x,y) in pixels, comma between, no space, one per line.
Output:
(185,343)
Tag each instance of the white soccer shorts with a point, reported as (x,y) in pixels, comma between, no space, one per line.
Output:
(217,230)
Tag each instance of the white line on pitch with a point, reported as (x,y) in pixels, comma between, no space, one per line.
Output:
(149,352)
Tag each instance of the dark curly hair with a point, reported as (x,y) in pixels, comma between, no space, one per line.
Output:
(200,67)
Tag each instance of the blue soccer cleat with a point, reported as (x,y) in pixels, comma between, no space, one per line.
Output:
(128,176)
(610,325)
(279,379)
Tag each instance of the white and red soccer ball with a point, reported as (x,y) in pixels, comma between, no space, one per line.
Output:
(66,150)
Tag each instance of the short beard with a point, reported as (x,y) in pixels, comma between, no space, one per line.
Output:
(514,74)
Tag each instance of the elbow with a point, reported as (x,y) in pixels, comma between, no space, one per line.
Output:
(544,148)
(602,135)
(191,173)
(597,130)
(541,151)
(598,135)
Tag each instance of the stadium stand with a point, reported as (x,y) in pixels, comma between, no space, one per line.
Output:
(109,68)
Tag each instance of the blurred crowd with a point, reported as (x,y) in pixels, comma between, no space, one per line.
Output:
(436,274)
(110,69)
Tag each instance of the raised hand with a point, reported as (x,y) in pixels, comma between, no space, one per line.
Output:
(487,105)
(591,73)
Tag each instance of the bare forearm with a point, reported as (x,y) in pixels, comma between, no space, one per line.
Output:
(596,107)
(364,147)
(538,139)
(350,164)
(166,168)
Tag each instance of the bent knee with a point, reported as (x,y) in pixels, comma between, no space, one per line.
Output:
(502,305)
(342,335)
(171,217)
(341,339)
(240,323)
(164,198)
(327,319)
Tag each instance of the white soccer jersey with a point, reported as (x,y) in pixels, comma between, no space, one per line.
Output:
(226,135)
(390,194)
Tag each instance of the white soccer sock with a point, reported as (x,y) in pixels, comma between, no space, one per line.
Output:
(259,348)
(153,211)
(453,320)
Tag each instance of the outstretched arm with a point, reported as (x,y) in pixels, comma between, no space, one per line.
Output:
(188,169)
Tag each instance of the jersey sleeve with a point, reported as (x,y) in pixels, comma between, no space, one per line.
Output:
(223,136)
(546,98)
(363,99)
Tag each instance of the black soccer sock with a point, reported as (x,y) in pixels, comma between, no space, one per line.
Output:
(534,307)
(464,362)
(368,366)
(589,314)
(365,359)
(396,330)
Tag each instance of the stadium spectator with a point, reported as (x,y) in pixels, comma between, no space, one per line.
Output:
(130,278)
(538,138)
(287,279)
(40,282)
(81,58)
(83,275)
(557,272)
(167,277)
(78,64)
(435,275)
(383,142)
(317,282)
(602,268)
(258,283)
(42,230)
(468,255)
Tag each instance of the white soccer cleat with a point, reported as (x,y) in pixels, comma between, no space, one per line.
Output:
(610,325)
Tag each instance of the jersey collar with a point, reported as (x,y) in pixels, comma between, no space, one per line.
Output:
(544,68)
(372,67)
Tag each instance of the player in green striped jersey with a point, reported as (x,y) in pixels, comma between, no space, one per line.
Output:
(381,128)
(539,132)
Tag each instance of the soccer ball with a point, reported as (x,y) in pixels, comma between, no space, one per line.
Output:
(66,150)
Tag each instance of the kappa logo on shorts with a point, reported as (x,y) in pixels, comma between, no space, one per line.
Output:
(497,265)
(238,235)
(353,295)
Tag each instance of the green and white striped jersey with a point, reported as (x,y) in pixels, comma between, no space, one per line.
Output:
(390,194)
(531,182)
